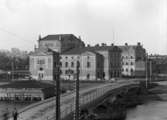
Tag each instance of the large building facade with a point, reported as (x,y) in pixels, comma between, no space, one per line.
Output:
(97,62)
(90,65)
(44,58)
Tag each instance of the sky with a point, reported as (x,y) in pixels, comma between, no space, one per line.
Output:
(96,21)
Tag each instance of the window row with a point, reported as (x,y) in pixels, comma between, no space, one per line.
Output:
(128,70)
(126,63)
(131,57)
(67,64)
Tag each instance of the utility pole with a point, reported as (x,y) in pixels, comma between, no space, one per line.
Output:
(56,76)
(150,71)
(77,109)
(12,73)
(146,73)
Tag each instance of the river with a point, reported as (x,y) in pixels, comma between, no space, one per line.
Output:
(156,110)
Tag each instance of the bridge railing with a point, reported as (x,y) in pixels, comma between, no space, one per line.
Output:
(88,98)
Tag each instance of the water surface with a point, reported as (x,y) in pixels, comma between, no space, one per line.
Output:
(156,110)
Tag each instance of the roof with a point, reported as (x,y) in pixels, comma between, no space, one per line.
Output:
(42,52)
(91,49)
(26,84)
(57,37)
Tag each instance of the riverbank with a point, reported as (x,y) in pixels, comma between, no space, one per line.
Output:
(115,108)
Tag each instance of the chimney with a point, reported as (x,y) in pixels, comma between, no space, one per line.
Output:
(112,44)
(97,45)
(103,44)
(39,37)
(35,47)
(139,44)
(59,37)
(126,44)
(79,37)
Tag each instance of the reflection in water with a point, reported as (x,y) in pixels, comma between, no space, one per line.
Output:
(152,111)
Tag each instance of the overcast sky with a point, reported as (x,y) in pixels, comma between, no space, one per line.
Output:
(96,21)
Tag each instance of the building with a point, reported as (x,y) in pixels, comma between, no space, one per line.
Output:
(60,42)
(90,65)
(133,60)
(26,91)
(42,60)
(97,62)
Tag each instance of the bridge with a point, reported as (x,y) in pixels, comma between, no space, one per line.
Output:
(45,110)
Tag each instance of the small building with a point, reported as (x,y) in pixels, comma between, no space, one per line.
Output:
(26,91)
(42,64)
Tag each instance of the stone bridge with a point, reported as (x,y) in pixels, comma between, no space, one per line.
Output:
(45,110)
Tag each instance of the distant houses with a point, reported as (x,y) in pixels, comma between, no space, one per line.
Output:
(99,62)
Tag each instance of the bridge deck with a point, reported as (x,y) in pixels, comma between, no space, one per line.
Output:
(45,110)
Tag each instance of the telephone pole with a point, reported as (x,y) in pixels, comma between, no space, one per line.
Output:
(77,109)
(56,76)
(146,73)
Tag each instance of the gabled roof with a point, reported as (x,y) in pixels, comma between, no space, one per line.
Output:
(57,37)
(91,49)
(41,52)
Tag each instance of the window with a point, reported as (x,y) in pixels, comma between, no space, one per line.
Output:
(60,64)
(126,69)
(131,63)
(131,57)
(87,57)
(131,70)
(66,64)
(66,57)
(126,63)
(41,61)
(72,64)
(88,64)
(40,69)
(66,72)
(78,63)
(88,76)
